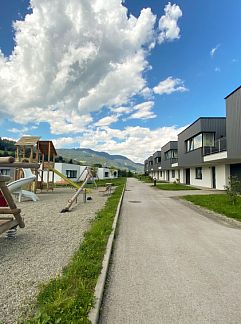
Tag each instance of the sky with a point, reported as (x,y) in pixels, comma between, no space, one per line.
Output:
(124,77)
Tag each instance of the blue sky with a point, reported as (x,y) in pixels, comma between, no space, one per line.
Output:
(88,74)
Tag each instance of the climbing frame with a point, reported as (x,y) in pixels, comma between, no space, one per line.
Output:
(7,208)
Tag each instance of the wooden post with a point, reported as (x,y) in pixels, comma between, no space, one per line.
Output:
(12,207)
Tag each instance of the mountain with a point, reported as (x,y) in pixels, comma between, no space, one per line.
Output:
(90,157)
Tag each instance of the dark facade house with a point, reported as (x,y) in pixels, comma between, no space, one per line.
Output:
(207,152)
(169,155)
(201,138)
(156,161)
(150,163)
(146,166)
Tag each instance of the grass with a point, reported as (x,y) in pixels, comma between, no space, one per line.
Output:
(174,186)
(144,178)
(217,203)
(69,297)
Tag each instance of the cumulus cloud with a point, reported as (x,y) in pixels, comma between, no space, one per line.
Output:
(106,121)
(143,111)
(169,86)
(168,27)
(214,50)
(115,141)
(72,58)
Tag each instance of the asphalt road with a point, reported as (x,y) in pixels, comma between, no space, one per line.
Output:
(171,264)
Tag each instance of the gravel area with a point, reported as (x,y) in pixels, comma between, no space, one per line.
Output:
(42,248)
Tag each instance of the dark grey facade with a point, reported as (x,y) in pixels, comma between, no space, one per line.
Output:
(215,125)
(156,160)
(233,112)
(146,166)
(150,163)
(166,162)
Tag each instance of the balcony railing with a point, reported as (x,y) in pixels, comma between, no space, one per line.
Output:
(220,145)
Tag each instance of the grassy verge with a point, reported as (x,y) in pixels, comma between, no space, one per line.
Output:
(174,186)
(144,178)
(100,183)
(69,297)
(217,203)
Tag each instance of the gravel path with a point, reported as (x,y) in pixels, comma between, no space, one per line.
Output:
(42,248)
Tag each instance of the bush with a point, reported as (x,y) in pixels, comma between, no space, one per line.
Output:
(233,189)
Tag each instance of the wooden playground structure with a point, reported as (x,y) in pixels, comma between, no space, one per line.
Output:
(89,176)
(32,150)
(10,215)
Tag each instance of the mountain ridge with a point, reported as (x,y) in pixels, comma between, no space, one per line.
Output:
(89,156)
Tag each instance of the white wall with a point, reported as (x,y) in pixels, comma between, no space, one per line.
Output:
(206,180)
(106,173)
(222,174)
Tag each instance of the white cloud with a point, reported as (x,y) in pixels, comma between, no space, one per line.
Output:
(143,111)
(168,27)
(214,50)
(169,86)
(72,58)
(137,143)
(217,69)
(106,121)
(122,110)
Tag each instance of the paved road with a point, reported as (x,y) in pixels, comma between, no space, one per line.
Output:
(171,264)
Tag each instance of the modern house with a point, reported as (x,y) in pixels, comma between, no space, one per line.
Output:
(169,157)
(156,164)
(76,172)
(107,173)
(208,151)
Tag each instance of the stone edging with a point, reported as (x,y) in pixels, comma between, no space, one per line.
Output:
(99,288)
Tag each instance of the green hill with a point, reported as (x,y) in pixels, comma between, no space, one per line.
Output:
(90,157)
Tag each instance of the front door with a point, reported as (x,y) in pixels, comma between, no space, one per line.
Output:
(213,177)
(188,176)
(168,175)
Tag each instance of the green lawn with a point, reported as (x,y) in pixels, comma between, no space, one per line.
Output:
(144,178)
(174,186)
(68,298)
(217,203)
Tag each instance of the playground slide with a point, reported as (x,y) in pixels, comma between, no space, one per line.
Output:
(61,175)
(16,186)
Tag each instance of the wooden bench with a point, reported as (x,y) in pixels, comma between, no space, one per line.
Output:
(8,208)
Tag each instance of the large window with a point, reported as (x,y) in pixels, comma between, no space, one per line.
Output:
(158,160)
(198,173)
(200,140)
(208,139)
(173,173)
(171,154)
(71,174)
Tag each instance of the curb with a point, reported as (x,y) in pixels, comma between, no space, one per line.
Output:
(99,288)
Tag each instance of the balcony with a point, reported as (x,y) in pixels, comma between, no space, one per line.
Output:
(220,145)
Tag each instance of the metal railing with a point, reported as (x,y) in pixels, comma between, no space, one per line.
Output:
(220,145)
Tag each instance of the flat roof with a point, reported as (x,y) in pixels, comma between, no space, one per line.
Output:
(198,120)
(232,92)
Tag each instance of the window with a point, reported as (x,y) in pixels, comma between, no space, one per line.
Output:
(106,174)
(171,154)
(173,173)
(71,174)
(157,159)
(161,174)
(208,139)
(198,173)
(5,172)
(200,140)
